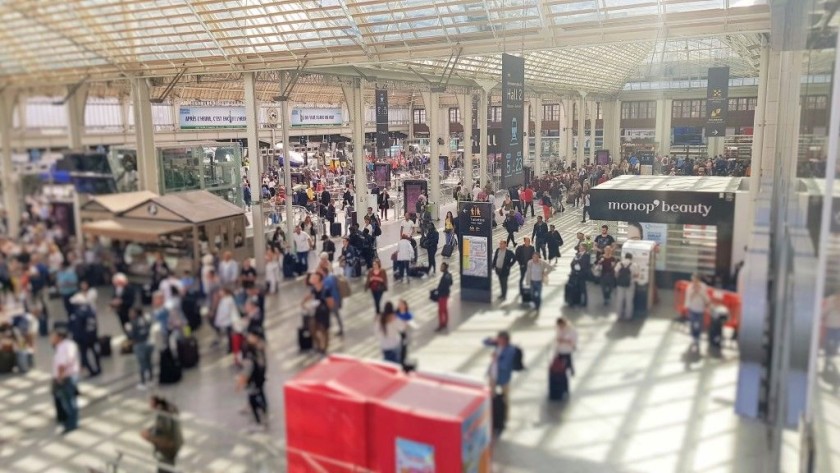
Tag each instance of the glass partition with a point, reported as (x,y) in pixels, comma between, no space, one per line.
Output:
(215,167)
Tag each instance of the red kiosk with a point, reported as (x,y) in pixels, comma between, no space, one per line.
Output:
(345,414)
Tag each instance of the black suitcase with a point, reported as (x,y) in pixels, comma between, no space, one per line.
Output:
(8,361)
(417,271)
(188,352)
(305,335)
(527,295)
(335,229)
(104,343)
(289,263)
(447,250)
(572,291)
(499,413)
(558,380)
(170,368)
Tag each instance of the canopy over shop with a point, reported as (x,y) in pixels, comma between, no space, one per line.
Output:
(183,226)
(692,219)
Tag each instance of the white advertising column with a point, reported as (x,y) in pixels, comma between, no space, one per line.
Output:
(144,132)
(432,114)
(467,117)
(483,106)
(11,198)
(287,162)
(254,174)
(357,123)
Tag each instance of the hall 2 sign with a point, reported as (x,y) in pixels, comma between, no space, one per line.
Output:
(694,208)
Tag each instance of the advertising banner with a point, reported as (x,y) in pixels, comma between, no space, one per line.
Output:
(201,117)
(317,116)
(513,91)
(382,141)
(412,190)
(475,222)
(415,457)
(717,101)
(382,174)
(658,233)
(697,208)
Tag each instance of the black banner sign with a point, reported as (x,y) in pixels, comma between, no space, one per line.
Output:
(717,101)
(382,141)
(513,91)
(475,221)
(692,208)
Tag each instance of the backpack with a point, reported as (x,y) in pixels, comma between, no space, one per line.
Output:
(520,220)
(377,230)
(625,276)
(518,364)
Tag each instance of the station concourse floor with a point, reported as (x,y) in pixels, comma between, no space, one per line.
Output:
(638,402)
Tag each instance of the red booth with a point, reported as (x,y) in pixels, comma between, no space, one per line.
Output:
(730,299)
(345,414)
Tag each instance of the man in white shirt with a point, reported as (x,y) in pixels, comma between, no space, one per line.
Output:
(302,246)
(626,274)
(407,226)
(696,302)
(476,190)
(65,376)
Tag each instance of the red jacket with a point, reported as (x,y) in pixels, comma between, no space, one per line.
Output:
(527,195)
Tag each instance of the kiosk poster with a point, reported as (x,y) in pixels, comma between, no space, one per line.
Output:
(655,232)
(475,440)
(381,120)
(412,190)
(717,101)
(382,174)
(414,457)
(513,91)
(475,221)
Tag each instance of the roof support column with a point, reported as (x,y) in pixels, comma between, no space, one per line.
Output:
(593,114)
(581,132)
(432,101)
(758,128)
(526,132)
(356,106)
(11,196)
(254,171)
(467,117)
(663,126)
(615,133)
(144,132)
(607,113)
(483,106)
(536,109)
(568,125)
(287,161)
(75,105)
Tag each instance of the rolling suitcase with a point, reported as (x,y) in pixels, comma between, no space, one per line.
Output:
(558,380)
(572,291)
(104,343)
(305,335)
(335,229)
(499,413)
(170,368)
(289,263)
(192,310)
(188,352)
(8,361)
(447,250)
(527,295)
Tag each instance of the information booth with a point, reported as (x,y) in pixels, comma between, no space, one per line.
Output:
(691,219)
(345,414)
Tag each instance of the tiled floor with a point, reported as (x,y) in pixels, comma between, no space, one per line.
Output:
(637,405)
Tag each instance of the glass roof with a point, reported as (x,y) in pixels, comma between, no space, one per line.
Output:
(111,39)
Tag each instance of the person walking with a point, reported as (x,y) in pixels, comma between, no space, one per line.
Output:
(565,343)
(581,270)
(443,291)
(554,242)
(527,196)
(273,276)
(67,282)
(696,302)
(607,264)
(500,371)
(384,203)
(165,436)
(65,378)
(625,278)
(331,286)
(537,271)
(511,225)
(83,327)
(377,283)
(405,315)
(431,246)
(539,235)
(523,256)
(503,261)
(302,245)
(253,376)
(388,331)
(448,228)
(323,309)
(586,205)
(139,329)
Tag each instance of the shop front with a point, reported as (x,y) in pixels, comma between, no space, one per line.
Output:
(692,220)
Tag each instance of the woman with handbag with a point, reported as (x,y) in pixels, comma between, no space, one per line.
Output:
(377,283)
(565,343)
(388,331)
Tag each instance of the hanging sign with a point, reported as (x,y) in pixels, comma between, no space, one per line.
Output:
(198,117)
(302,116)
(382,141)
(717,101)
(513,91)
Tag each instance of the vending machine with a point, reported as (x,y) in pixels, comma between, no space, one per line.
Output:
(644,254)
